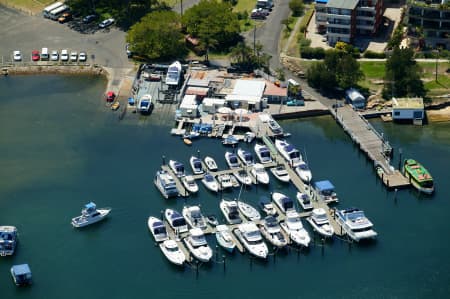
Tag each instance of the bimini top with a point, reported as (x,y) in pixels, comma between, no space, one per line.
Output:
(23,269)
(324,186)
(90,206)
(287,202)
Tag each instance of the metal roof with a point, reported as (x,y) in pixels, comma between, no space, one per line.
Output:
(407,103)
(324,185)
(344,4)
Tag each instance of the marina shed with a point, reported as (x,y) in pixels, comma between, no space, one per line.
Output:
(210,105)
(200,92)
(275,94)
(408,109)
(248,94)
(189,106)
(355,98)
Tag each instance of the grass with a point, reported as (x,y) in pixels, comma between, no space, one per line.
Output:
(244,5)
(33,6)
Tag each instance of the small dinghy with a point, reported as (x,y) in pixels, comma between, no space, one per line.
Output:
(211,163)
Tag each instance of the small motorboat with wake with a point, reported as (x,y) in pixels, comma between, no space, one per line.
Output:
(232,160)
(283,202)
(189,183)
(230,211)
(267,206)
(248,211)
(224,181)
(210,182)
(293,226)
(197,245)
(280,173)
(304,200)
(176,221)
(194,217)
(224,238)
(304,172)
(260,174)
(157,228)
(243,177)
(320,223)
(172,252)
(250,236)
(271,230)
(196,165)
(89,215)
(210,163)
(245,156)
(263,153)
(177,168)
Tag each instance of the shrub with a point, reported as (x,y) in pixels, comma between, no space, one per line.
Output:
(371,54)
(312,53)
(304,42)
(297,7)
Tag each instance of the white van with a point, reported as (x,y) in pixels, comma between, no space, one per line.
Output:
(44,54)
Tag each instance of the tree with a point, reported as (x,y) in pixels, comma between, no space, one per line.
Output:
(320,77)
(213,23)
(348,72)
(402,75)
(296,7)
(157,36)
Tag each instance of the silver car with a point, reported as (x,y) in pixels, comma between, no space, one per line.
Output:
(82,57)
(54,56)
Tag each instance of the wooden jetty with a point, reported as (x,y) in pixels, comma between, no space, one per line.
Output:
(372,144)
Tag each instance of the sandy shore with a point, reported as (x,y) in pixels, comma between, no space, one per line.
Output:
(53,69)
(440,115)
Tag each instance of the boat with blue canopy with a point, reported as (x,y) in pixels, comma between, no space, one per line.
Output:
(89,215)
(21,274)
(325,189)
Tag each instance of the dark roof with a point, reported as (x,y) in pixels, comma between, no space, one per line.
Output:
(345,4)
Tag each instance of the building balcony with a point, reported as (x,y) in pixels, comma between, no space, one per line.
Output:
(365,18)
(342,17)
(365,8)
(342,26)
(365,27)
(340,35)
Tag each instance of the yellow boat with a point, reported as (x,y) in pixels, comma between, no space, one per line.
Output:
(115,105)
(187,141)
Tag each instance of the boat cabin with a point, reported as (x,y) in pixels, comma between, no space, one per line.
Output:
(21,274)
(287,203)
(326,191)
(159,228)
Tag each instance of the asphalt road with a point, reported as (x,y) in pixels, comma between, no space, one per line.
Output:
(27,33)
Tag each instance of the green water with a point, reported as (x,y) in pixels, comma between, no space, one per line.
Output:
(60,148)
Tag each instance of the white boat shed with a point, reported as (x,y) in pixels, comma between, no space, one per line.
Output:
(247,94)
(407,109)
(189,106)
(355,98)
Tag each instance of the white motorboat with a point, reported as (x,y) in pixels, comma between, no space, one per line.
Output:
(166,184)
(271,230)
(243,177)
(263,153)
(248,211)
(280,173)
(304,172)
(232,160)
(224,238)
(212,220)
(294,228)
(189,183)
(89,215)
(224,181)
(194,217)
(249,137)
(304,200)
(157,228)
(172,252)
(196,165)
(173,74)
(145,104)
(245,156)
(197,245)
(230,211)
(326,192)
(176,221)
(211,163)
(249,235)
(289,152)
(260,173)
(283,202)
(267,206)
(276,129)
(355,224)
(234,181)
(8,240)
(320,223)
(210,182)
(230,140)
(177,168)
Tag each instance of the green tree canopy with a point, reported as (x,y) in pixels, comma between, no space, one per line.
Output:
(402,77)
(214,23)
(296,7)
(157,36)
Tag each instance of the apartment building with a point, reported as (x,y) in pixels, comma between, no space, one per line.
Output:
(430,21)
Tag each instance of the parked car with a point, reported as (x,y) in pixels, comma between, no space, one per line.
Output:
(17,56)
(54,56)
(82,57)
(65,17)
(90,18)
(106,23)
(35,55)
(127,49)
(258,14)
(64,55)
(73,56)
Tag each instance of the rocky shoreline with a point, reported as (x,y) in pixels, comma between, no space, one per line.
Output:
(54,69)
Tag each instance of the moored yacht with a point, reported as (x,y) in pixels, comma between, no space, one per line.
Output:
(224,181)
(189,183)
(293,226)
(243,177)
(166,184)
(249,235)
(304,172)
(8,240)
(320,223)
(210,182)
(194,217)
(263,153)
(232,160)
(176,221)
(224,238)
(419,176)
(172,252)
(196,165)
(197,245)
(157,228)
(245,156)
(283,202)
(89,215)
(267,206)
(289,152)
(304,201)
(173,74)
(248,211)
(271,230)
(355,224)
(177,168)
(211,163)
(281,173)
(326,192)
(230,211)
(260,173)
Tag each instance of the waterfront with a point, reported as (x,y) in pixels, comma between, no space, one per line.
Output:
(60,148)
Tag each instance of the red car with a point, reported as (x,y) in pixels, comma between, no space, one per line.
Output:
(110,96)
(35,55)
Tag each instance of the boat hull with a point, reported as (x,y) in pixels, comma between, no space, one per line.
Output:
(103,213)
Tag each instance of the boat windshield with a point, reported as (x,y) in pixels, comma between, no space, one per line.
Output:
(197,164)
(248,156)
(303,166)
(172,249)
(294,219)
(209,178)
(294,155)
(179,222)
(159,230)
(233,159)
(265,153)
(427,184)
(199,240)
(260,170)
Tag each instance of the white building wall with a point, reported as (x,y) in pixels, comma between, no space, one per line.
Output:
(406,113)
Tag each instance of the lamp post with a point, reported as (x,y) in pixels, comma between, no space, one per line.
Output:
(437,58)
